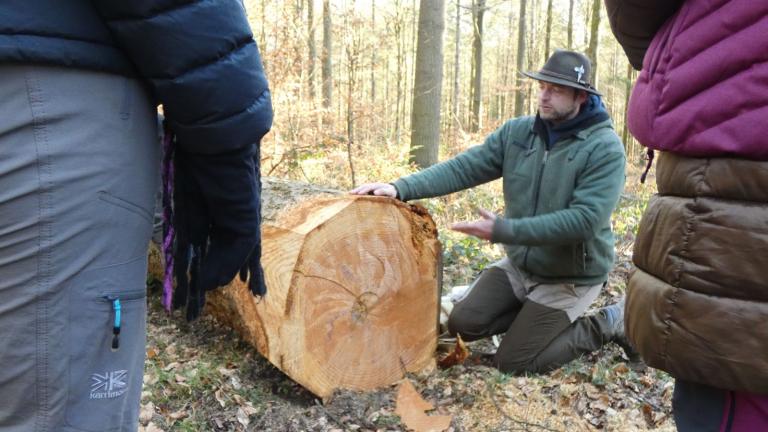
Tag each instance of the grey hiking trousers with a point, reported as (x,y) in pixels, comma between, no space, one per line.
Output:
(78,173)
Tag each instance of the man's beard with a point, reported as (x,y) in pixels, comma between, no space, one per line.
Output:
(557,116)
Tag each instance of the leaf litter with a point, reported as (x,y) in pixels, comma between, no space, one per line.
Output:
(202,377)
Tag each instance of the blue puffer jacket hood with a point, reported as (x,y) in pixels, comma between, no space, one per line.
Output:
(199,58)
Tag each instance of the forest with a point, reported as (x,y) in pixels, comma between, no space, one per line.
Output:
(370,90)
(355,100)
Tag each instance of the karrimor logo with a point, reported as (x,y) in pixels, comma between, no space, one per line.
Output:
(109,385)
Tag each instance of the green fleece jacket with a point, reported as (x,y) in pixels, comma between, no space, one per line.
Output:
(557,221)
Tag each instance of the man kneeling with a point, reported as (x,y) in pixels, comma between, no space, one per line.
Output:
(563,173)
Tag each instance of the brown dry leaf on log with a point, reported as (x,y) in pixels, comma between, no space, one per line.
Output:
(456,357)
(411,407)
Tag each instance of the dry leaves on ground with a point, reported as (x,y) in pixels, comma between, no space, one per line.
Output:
(411,408)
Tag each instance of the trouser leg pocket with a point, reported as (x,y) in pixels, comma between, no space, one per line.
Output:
(106,342)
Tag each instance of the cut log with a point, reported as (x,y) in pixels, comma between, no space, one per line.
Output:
(353,293)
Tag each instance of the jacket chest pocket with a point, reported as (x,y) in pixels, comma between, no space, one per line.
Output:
(519,175)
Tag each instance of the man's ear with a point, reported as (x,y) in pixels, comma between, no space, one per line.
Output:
(581,96)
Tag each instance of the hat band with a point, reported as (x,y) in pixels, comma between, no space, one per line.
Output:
(566,77)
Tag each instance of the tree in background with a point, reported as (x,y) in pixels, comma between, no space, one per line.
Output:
(367,91)
(478,12)
(594,38)
(428,83)
(548,37)
(521,33)
(327,62)
(311,46)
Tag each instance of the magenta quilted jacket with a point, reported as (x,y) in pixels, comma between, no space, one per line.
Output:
(703,89)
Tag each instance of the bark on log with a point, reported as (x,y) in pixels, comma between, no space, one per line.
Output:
(353,290)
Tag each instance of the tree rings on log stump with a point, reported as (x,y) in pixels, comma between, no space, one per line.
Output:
(353,293)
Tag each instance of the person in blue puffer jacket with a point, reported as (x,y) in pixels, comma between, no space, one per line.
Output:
(80,82)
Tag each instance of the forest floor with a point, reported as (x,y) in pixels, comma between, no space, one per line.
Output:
(203,377)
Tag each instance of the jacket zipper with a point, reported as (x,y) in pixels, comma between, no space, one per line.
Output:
(536,200)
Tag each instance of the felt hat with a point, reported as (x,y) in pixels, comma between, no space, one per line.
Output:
(568,68)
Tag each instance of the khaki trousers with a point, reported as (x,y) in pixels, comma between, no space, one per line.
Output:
(542,323)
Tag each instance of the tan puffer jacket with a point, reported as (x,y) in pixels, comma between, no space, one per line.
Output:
(697,305)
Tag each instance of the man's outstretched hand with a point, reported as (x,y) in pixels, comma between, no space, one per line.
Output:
(378,189)
(482,228)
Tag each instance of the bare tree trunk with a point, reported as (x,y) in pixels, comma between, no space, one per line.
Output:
(327,64)
(548,37)
(353,55)
(411,65)
(263,33)
(478,11)
(628,147)
(312,48)
(298,19)
(587,6)
(570,24)
(532,37)
(373,54)
(398,24)
(612,89)
(594,38)
(428,82)
(520,91)
(456,70)
(506,54)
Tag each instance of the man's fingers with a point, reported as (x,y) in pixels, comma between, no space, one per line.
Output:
(486,214)
(464,227)
(386,190)
(480,229)
(365,189)
(379,189)
(362,189)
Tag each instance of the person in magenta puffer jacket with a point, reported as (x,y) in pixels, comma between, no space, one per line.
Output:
(697,303)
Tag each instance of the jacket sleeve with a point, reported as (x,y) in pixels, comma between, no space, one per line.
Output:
(596,194)
(203,65)
(635,22)
(474,166)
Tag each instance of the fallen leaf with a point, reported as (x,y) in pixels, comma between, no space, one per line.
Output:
(648,413)
(234,381)
(621,369)
(219,395)
(457,356)
(180,414)
(227,371)
(151,427)
(170,350)
(242,417)
(646,381)
(249,409)
(171,365)
(150,378)
(411,407)
(151,353)
(146,412)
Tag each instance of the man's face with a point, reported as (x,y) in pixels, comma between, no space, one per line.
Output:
(559,103)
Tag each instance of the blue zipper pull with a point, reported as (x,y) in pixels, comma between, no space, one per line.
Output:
(116,327)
